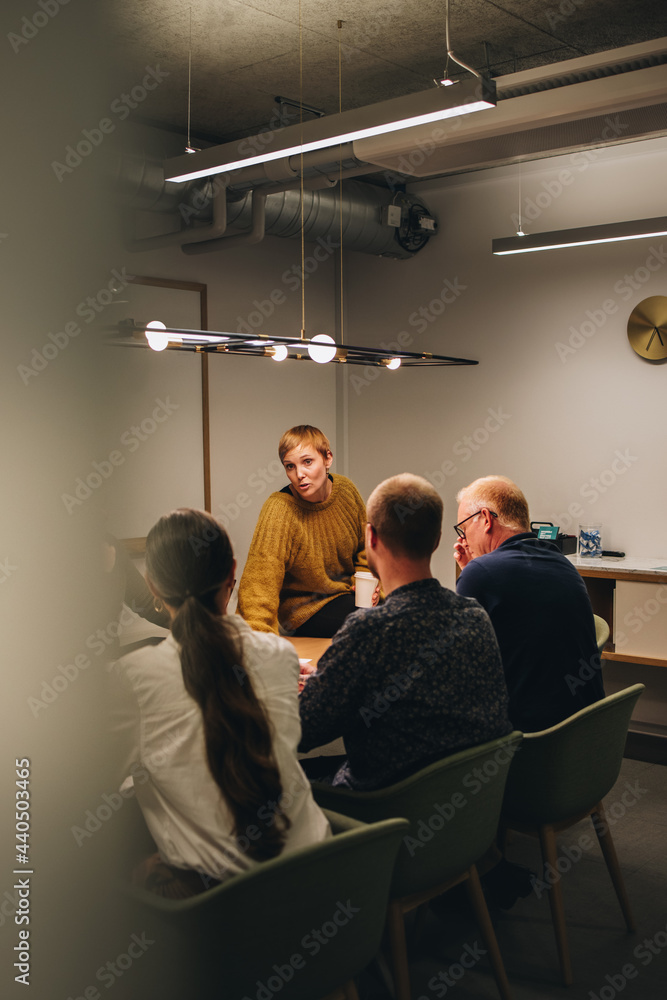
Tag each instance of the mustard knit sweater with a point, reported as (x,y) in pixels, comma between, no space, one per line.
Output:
(302,556)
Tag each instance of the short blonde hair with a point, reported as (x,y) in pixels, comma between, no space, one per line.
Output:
(500,495)
(304,434)
(406,512)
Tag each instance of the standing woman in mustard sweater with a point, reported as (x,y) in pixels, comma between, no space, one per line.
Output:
(308,544)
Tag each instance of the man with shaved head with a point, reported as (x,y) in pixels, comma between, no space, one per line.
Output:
(418,677)
(537,602)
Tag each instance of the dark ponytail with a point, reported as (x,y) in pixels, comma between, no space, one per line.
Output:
(188,558)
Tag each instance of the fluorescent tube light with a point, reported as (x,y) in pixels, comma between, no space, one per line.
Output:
(333,130)
(615,232)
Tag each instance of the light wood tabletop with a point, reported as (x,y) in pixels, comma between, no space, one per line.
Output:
(308,648)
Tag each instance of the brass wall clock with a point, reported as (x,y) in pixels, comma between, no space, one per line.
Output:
(647,328)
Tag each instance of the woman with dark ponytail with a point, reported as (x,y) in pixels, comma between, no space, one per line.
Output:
(214,721)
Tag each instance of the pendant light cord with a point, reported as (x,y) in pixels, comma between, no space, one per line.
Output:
(190,79)
(450,54)
(340,173)
(303,248)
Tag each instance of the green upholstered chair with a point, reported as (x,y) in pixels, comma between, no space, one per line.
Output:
(453,807)
(299,926)
(601,632)
(559,777)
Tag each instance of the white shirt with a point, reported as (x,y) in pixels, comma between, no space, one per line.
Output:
(161,731)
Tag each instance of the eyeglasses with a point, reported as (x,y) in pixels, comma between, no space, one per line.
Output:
(459,530)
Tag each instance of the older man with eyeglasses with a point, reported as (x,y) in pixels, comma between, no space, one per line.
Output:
(537,603)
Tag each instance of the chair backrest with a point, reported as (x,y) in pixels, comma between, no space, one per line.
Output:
(564,770)
(601,632)
(299,925)
(453,807)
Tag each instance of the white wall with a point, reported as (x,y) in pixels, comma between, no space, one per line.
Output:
(576,418)
(251,401)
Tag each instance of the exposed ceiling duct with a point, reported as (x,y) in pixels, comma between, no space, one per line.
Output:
(604,99)
(374,220)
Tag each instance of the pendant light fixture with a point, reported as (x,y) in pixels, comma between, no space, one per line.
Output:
(448,99)
(614,232)
(158,336)
(321,348)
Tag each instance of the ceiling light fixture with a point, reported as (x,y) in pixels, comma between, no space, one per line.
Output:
(614,232)
(334,130)
(158,337)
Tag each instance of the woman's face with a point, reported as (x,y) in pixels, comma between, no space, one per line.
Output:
(307,471)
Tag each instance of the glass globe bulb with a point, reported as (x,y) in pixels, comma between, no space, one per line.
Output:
(324,354)
(157,339)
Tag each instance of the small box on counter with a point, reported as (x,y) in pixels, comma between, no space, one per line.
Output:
(545,529)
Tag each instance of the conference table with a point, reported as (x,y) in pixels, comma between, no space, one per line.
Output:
(311,649)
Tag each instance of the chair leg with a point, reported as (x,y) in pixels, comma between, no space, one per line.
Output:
(550,856)
(348,991)
(399,950)
(420,920)
(478,903)
(609,852)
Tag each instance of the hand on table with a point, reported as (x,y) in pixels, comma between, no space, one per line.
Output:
(306,668)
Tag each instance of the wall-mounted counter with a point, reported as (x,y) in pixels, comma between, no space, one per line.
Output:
(631,595)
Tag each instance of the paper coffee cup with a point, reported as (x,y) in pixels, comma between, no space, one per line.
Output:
(364,588)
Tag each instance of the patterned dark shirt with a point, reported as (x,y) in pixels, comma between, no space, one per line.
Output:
(405,684)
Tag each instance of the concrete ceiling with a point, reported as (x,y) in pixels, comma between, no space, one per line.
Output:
(245,52)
